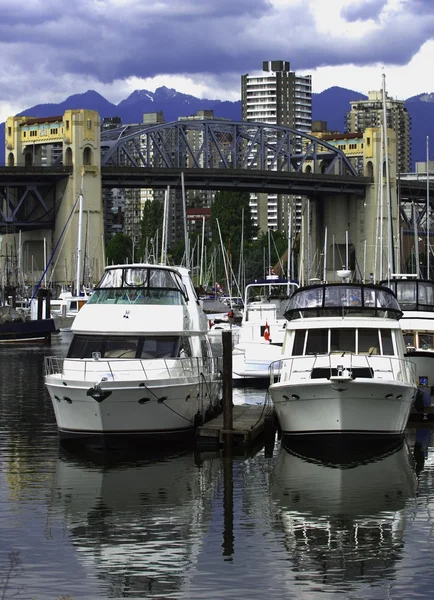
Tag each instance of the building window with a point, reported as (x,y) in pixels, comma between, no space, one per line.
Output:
(53,131)
(89,124)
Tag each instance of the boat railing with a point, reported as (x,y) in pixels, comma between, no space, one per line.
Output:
(100,369)
(342,364)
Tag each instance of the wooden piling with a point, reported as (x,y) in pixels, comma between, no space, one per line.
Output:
(227,382)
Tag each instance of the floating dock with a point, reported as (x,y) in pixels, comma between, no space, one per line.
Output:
(249,421)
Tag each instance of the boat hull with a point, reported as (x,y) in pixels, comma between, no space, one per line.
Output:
(358,407)
(111,412)
(37,330)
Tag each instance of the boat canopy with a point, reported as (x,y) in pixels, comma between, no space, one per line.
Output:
(337,299)
(413,294)
(139,285)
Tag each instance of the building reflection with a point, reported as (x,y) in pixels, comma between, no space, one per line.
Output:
(344,516)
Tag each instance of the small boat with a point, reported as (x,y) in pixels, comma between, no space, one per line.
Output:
(416,299)
(17,325)
(140,365)
(343,368)
(261,331)
(65,308)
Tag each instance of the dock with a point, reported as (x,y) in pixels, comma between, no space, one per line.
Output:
(248,424)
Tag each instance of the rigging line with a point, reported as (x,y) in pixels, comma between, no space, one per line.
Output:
(60,250)
(357,264)
(53,252)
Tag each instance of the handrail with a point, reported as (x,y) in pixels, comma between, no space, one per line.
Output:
(378,364)
(126,369)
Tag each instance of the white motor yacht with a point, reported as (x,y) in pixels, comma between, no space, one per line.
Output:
(140,363)
(416,299)
(262,330)
(343,368)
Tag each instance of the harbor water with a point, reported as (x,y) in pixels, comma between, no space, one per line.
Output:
(271,523)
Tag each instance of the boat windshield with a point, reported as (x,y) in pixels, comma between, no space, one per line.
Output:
(139,285)
(339,299)
(413,294)
(132,346)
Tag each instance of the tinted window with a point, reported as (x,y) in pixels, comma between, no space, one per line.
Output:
(368,341)
(386,339)
(317,341)
(343,340)
(299,342)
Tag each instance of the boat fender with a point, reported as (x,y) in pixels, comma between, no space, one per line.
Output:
(210,414)
(198,420)
(418,401)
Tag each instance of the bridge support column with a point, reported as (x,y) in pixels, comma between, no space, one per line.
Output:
(79,133)
(369,222)
(81,149)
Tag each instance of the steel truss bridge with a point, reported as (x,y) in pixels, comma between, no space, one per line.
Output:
(208,154)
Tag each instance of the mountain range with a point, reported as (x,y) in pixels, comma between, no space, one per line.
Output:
(330,105)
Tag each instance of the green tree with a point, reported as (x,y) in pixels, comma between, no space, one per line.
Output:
(227,209)
(150,224)
(119,249)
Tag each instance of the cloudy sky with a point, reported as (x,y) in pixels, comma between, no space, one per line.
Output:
(51,49)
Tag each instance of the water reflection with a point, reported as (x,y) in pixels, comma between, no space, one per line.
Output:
(137,525)
(344,520)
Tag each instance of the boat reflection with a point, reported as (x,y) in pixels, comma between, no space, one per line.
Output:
(137,524)
(343,519)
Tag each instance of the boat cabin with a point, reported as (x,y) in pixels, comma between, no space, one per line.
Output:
(413,294)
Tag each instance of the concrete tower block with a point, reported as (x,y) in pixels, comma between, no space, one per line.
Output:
(380,214)
(82,150)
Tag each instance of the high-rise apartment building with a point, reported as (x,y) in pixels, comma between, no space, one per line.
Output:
(279,96)
(369,113)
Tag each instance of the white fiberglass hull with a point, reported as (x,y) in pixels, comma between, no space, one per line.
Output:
(166,408)
(251,362)
(360,406)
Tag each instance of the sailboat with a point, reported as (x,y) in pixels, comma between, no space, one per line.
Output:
(65,308)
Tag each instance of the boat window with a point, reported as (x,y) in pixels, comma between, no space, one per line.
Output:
(120,348)
(425,341)
(317,341)
(84,346)
(343,340)
(136,277)
(298,348)
(160,347)
(112,278)
(410,340)
(368,342)
(310,298)
(386,342)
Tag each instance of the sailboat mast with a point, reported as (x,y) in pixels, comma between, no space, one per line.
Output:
(427,209)
(79,241)
(391,253)
(184,208)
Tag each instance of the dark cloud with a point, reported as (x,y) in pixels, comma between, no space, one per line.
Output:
(363,10)
(108,40)
(419,7)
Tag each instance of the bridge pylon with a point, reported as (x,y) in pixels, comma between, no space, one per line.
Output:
(75,139)
(367,229)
